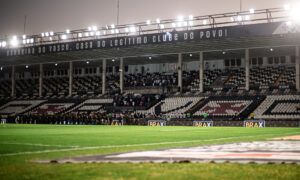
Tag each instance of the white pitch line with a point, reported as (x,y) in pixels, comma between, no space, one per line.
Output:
(134,145)
(47,151)
(45,145)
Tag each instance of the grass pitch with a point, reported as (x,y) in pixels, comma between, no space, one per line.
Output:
(19,144)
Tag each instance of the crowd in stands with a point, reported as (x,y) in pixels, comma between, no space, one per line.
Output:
(74,119)
(154,80)
(135,100)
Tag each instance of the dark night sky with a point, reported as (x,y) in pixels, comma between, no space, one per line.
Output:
(58,15)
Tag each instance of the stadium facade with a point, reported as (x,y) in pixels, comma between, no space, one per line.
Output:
(228,65)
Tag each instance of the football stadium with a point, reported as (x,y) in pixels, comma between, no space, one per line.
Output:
(213,96)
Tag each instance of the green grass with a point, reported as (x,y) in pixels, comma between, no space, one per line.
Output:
(69,141)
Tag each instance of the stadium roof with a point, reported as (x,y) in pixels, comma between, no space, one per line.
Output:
(259,35)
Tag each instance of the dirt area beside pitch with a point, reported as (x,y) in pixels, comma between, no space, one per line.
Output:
(297,137)
(243,152)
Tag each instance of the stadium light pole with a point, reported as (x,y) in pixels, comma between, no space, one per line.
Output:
(13,81)
(70,78)
(41,80)
(297,54)
(241,3)
(201,87)
(121,74)
(180,71)
(247,70)
(103,76)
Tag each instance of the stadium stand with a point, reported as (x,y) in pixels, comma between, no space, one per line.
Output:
(167,85)
(55,106)
(279,107)
(175,107)
(19,106)
(92,105)
(228,106)
(209,77)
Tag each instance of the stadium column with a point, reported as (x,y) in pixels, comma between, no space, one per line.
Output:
(41,80)
(180,71)
(13,81)
(297,68)
(70,78)
(247,70)
(103,76)
(201,86)
(121,75)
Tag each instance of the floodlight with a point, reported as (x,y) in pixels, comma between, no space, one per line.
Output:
(204,22)
(271,49)
(68,31)
(247,18)
(87,62)
(31,40)
(43,34)
(112,26)
(232,19)
(3,43)
(239,18)
(89,28)
(50,38)
(92,33)
(24,41)
(55,64)
(104,32)
(95,28)
(132,29)
(24,36)
(148,22)
(287,7)
(150,57)
(252,11)
(180,18)
(117,31)
(295,13)
(46,34)
(79,35)
(14,41)
(97,33)
(1,68)
(63,36)
(27,41)
(162,26)
(86,34)
(112,31)
(0,44)
(173,25)
(26,66)
(191,23)
(191,55)
(51,33)
(126,30)
(191,17)
(113,60)
(157,20)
